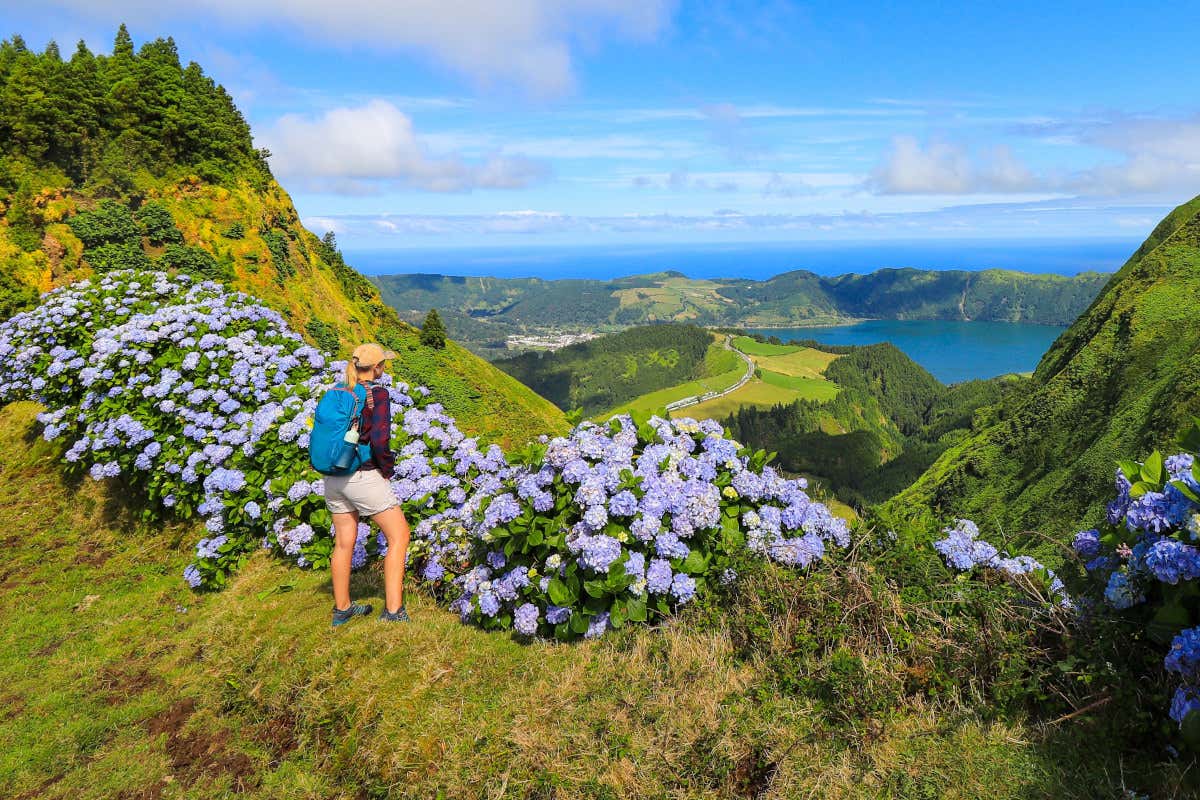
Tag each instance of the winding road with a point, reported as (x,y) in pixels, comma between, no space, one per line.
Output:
(694,399)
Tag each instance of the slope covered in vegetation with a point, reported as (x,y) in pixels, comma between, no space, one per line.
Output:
(483,312)
(1123,379)
(119,682)
(134,160)
(889,420)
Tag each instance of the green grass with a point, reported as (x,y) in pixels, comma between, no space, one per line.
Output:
(657,400)
(719,359)
(805,362)
(752,347)
(755,393)
(817,389)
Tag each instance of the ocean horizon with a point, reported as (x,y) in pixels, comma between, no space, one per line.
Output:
(754,261)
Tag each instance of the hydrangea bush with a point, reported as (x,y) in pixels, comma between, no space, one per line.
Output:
(626,521)
(1145,562)
(201,399)
(964,551)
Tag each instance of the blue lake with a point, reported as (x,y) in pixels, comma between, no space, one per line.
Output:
(952,351)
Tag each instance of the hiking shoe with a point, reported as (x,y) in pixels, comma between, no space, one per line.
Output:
(399,616)
(342,616)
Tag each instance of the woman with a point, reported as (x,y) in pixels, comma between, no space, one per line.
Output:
(368,492)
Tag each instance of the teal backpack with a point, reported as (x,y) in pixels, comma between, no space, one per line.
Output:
(333,445)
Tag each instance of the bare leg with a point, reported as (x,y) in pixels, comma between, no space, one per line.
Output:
(395,528)
(345,531)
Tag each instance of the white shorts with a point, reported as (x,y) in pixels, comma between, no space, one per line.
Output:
(365,491)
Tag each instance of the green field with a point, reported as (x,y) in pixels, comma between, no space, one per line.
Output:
(725,368)
(719,359)
(788,373)
(804,362)
(755,393)
(752,347)
(657,400)
(805,388)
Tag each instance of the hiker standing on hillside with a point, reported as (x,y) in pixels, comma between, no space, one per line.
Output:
(366,490)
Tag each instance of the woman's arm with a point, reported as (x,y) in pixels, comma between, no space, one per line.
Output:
(380,436)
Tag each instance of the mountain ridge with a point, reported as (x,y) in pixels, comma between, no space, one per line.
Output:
(485,312)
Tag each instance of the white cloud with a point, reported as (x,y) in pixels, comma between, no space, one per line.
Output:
(947,168)
(1052,219)
(363,149)
(323,225)
(1150,156)
(527,42)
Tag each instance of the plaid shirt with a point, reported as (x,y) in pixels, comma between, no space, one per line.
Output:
(376,430)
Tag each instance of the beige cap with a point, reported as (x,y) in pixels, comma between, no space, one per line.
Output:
(368,355)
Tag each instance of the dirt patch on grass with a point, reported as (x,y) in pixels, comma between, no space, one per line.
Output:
(120,685)
(278,734)
(91,555)
(753,775)
(49,648)
(11,706)
(40,791)
(152,792)
(196,754)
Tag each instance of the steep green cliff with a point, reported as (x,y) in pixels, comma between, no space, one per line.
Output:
(1124,378)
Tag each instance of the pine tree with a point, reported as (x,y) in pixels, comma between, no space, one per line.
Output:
(433,332)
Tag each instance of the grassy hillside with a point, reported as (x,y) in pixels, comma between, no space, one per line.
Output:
(164,173)
(484,312)
(783,374)
(1121,380)
(119,682)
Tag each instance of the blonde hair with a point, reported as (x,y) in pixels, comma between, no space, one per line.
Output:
(354,372)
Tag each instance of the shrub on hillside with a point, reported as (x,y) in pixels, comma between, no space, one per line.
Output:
(433,332)
(115,256)
(157,224)
(110,223)
(628,520)
(196,261)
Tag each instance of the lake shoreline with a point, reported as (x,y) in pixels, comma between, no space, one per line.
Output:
(847,321)
(953,351)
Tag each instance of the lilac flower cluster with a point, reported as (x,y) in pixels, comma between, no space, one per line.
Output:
(964,551)
(1147,553)
(648,513)
(204,398)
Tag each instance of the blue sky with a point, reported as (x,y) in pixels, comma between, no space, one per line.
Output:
(432,123)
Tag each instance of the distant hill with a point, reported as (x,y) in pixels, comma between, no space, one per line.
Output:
(603,373)
(483,312)
(134,160)
(1123,379)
